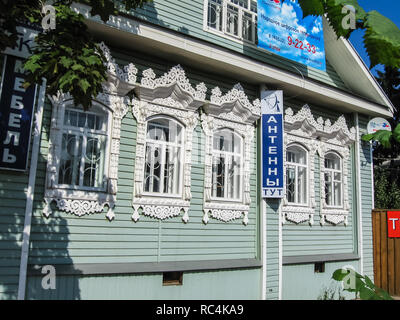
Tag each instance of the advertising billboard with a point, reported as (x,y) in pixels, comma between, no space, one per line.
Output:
(283,31)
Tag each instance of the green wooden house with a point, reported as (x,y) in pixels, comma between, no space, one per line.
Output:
(159,196)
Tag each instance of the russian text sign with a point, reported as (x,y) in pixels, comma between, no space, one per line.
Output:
(282,30)
(393,224)
(272,144)
(16,113)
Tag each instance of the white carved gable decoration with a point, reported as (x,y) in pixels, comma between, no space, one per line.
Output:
(318,136)
(232,110)
(79,202)
(171,95)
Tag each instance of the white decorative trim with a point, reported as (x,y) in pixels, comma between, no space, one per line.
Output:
(233,106)
(174,87)
(301,129)
(170,95)
(79,202)
(335,215)
(233,111)
(318,136)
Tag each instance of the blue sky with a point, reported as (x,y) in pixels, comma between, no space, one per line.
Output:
(388,8)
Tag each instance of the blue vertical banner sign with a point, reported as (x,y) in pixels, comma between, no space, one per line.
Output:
(16,115)
(273,185)
(283,31)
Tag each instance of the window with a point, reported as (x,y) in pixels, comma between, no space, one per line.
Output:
(227,165)
(83,149)
(235,18)
(166,114)
(163,162)
(333,180)
(296,175)
(229,126)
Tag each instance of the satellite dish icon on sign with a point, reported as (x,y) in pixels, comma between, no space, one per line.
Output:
(273,103)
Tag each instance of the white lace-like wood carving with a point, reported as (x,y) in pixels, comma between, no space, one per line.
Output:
(318,136)
(170,95)
(80,202)
(233,111)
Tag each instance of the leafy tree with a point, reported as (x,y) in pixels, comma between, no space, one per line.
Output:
(68,56)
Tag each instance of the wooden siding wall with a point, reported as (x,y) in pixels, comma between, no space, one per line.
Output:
(386,255)
(12,214)
(186,16)
(367,194)
(67,239)
(303,239)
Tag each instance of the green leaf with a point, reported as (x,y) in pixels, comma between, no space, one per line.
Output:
(382,40)
(396,133)
(84,84)
(336,15)
(366,293)
(312,7)
(340,274)
(382,136)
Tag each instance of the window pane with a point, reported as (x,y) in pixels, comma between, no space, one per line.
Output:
(253,6)
(70,159)
(152,168)
(302,185)
(94,162)
(234,173)
(214,19)
(232,20)
(290,184)
(164,130)
(227,140)
(337,193)
(328,189)
(218,177)
(247,26)
(296,155)
(332,162)
(172,170)
(242,3)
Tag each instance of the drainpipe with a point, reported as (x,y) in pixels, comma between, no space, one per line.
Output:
(30,194)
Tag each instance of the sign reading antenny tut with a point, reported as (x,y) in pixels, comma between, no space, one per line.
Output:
(283,31)
(16,113)
(272,144)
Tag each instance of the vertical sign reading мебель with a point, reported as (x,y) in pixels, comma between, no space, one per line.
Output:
(282,30)
(16,113)
(272,144)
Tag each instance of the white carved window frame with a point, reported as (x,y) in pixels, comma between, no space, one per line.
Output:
(299,213)
(232,111)
(320,137)
(114,99)
(329,214)
(170,95)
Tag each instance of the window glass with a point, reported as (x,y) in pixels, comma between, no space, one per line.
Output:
(83,146)
(227,165)
(296,175)
(333,180)
(163,166)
